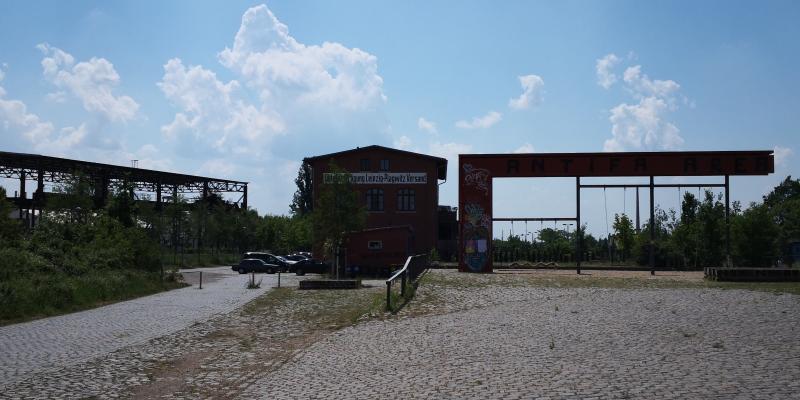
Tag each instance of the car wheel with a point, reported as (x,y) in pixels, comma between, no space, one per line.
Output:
(242,271)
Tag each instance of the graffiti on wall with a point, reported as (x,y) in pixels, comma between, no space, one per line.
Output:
(476,236)
(477,177)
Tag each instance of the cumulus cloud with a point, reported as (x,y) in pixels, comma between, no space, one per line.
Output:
(604,69)
(483,122)
(642,87)
(643,125)
(532,86)
(402,143)
(427,126)
(15,121)
(282,90)
(782,155)
(92,82)
(525,148)
(272,61)
(213,113)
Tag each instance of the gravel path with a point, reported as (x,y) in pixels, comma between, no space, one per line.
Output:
(495,341)
(50,343)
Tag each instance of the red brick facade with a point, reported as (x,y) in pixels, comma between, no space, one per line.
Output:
(396,197)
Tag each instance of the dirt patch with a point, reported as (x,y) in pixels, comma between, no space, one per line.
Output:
(257,340)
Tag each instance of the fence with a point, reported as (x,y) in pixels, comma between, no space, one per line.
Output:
(412,269)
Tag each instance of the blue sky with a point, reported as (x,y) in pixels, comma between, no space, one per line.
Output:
(245,91)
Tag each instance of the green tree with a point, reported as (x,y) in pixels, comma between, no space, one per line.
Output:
(303,200)
(624,234)
(10,230)
(338,211)
(783,204)
(755,236)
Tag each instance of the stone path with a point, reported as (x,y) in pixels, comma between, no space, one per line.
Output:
(497,341)
(56,342)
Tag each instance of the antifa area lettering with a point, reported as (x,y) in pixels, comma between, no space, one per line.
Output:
(621,164)
(380,178)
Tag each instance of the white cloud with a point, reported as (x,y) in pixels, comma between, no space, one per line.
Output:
(604,67)
(277,65)
(450,151)
(427,126)
(643,125)
(218,167)
(91,81)
(525,148)
(641,86)
(284,93)
(15,121)
(532,86)
(483,122)
(213,113)
(403,143)
(782,155)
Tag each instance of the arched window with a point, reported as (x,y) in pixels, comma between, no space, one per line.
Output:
(406,200)
(374,199)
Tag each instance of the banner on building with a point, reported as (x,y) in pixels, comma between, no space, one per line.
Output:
(377,178)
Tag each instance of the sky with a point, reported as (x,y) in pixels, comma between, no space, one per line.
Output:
(245,90)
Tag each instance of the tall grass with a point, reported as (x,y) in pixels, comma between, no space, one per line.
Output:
(40,295)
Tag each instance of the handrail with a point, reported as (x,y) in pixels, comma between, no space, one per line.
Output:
(408,267)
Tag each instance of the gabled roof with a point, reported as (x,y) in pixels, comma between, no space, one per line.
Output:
(441,163)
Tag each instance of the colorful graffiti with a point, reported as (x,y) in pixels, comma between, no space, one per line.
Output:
(477,177)
(476,236)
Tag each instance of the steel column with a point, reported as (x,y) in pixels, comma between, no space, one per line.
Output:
(578,230)
(652,228)
(22,194)
(728,220)
(638,226)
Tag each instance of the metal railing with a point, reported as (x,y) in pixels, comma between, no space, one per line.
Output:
(412,269)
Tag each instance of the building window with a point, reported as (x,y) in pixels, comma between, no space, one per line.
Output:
(375,200)
(406,200)
(365,164)
(375,245)
(384,165)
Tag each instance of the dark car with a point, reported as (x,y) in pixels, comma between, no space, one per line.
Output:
(309,265)
(256,265)
(269,258)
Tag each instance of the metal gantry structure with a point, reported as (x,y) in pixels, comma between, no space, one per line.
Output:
(477,172)
(54,170)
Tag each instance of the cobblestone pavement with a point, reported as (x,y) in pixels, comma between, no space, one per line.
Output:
(50,343)
(492,339)
(213,358)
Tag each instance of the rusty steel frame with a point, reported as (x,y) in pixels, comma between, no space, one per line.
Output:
(54,170)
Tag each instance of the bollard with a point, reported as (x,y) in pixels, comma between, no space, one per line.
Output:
(201,279)
(388,295)
(279,278)
(252,279)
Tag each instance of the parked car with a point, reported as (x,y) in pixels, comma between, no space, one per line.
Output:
(309,265)
(256,265)
(269,258)
(296,257)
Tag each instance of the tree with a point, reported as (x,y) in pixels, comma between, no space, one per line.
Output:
(754,237)
(783,204)
(9,229)
(623,233)
(338,210)
(303,200)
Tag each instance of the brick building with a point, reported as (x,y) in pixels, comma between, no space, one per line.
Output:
(401,192)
